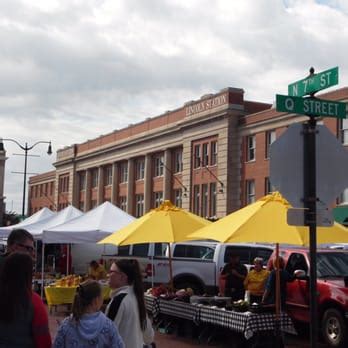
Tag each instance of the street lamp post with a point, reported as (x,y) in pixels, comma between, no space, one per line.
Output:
(26,148)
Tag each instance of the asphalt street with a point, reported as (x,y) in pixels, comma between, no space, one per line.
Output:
(190,338)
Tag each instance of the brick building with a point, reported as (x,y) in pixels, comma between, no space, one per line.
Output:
(210,156)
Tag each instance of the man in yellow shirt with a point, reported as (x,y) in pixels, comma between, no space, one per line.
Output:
(96,271)
(255,281)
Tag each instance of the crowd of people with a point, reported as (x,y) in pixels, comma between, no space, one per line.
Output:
(125,324)
(258,285)
(24,318)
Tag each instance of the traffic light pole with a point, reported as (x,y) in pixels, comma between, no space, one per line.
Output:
(310,197)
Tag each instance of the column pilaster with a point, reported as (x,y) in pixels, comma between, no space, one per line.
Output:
(147,183)
(130,187)
(87,205)
(115,180)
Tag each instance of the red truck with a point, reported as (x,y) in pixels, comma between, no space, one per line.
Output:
(332,286)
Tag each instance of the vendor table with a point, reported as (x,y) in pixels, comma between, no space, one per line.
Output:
(173,308)
(178,309)
(57,295)
(152,305)
(245,322)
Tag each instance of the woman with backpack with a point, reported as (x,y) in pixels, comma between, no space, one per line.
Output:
(127,305)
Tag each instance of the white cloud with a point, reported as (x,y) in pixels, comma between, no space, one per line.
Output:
(72,70)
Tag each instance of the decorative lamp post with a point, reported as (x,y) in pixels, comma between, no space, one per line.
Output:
(26,148)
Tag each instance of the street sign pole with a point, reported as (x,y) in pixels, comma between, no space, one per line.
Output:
(310,197)
(313,108)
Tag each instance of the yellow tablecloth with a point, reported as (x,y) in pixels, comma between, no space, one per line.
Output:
(56,295)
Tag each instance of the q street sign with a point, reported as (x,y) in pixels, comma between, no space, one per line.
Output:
(287,166)
(310,106)
(314,83)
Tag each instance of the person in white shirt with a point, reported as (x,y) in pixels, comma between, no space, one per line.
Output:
(127,305)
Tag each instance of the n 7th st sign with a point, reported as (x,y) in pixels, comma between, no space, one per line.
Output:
(314,83)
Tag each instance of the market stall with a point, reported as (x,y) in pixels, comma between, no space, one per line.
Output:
(89,227)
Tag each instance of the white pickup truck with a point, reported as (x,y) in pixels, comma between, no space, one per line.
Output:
(195,264)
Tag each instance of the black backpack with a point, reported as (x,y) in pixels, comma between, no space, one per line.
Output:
(115,305)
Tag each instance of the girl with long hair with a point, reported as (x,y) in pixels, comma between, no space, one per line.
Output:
(127,305)
(87,325)
(23,316)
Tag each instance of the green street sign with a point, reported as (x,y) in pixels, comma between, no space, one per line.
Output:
(310,106)
(314,83)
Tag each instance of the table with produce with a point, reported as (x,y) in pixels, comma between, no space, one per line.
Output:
(63,290)
(239,316)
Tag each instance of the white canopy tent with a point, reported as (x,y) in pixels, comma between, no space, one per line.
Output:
(91,227)
(42,215)
(67,214)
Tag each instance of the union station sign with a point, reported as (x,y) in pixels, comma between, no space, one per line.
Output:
(207,104)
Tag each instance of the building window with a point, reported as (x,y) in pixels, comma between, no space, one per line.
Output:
(251,144)
(93,203)
(270,138)
(196,199)
(158,198)
(81,205)
(213,153)
(124,172)
(82,181)
(197,156)
(205,155)
(177,161)
(159,165)
(51,188)
(94,178)
(178,198)
(108,175)
(344,131)
(212,210)
(123,203)
(63,185)
(139,169)
(268,187)
(139,205)
(250,191)
(204,200)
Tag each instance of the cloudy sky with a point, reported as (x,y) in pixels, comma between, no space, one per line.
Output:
(72,70)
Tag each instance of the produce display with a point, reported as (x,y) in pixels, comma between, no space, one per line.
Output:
(38,275)
(187,295)
(240,306)
(163,292)
(68,281)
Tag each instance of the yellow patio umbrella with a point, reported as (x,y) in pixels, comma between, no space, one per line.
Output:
(265,221)
(165,224)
